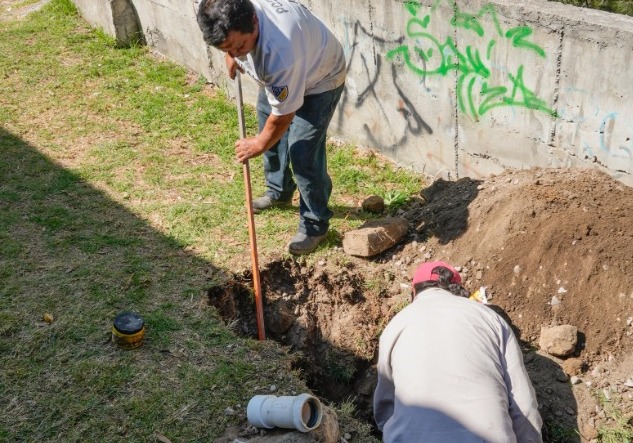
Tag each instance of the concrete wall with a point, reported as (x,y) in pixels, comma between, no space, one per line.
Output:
(465,89)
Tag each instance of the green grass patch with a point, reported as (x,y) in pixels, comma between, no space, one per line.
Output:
(618,6)
(619,428)
(119,191)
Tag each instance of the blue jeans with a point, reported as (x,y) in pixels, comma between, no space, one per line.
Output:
(303,148)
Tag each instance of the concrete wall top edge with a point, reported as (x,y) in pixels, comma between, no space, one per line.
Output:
(600,27)
(568,14)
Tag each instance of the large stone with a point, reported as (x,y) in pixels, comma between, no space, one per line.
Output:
(573,366)
(375,236)
(559,341)
(374,204)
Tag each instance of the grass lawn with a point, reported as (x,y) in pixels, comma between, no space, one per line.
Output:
(119,191)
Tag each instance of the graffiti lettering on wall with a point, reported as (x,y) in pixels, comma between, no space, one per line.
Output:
(361,92)
(477,94)
(606,130)
(611,143)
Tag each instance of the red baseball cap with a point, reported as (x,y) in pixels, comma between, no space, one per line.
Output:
(425,272)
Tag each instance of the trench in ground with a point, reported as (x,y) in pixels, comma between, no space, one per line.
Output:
(327,317)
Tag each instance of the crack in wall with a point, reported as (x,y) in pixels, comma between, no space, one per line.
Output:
(456,110)
(559,63)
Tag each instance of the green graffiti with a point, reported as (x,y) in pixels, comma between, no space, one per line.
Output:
(491,44)
(470,22)
(430,56)
(412,7)
(518,34)
(519,96)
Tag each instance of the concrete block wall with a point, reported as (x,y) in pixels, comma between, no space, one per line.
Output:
(452,89)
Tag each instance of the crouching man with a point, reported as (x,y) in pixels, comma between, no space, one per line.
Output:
(450,370)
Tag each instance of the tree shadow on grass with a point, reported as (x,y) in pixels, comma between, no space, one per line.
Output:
(68,250)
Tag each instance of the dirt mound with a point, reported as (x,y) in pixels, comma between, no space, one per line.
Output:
(551,246)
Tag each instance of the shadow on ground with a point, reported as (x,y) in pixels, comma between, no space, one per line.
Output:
(70,251)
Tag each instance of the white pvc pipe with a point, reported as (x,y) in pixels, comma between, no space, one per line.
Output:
(302,412)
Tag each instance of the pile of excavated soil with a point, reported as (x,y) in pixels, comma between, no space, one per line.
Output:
(552,247)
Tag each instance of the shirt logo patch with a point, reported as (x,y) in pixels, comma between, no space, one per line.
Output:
(281,92)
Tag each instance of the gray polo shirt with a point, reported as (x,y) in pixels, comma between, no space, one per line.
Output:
(296,55)
(450,370)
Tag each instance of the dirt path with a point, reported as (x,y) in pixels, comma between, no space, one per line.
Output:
(17,10)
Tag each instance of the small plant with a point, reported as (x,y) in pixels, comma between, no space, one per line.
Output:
(620,430)
(395,200)
(346,412)
(341,372)
(556,433)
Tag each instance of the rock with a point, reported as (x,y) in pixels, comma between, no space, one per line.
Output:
(280,319)
(374,204)
(375,236)
(559,341)
(589,432)
(572,366)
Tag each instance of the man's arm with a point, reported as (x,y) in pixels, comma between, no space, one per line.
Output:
(526,419)
(385,393)
(384,397)
(231,66)
(273,130)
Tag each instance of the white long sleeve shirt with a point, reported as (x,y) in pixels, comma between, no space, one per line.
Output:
(450,370)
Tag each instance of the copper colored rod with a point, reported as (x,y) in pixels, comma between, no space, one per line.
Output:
(259,306)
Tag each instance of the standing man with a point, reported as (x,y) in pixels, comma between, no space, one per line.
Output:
(450,370)
(300,67)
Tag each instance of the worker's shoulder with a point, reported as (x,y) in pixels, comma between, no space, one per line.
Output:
(443,303)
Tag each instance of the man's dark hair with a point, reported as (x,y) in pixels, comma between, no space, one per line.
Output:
(444,281)
(217,18)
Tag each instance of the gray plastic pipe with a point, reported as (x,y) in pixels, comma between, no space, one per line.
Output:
(302,412)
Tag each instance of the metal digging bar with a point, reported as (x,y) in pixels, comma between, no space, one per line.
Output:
(259,307)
